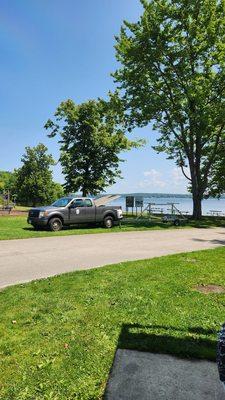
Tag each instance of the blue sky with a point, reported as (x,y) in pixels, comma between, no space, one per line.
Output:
(52,50)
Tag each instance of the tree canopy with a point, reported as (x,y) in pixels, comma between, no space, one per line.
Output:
(34,184)
(172,72)
(91,140)
(6,180)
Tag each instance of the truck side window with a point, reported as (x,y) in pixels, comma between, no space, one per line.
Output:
(78,203)
(87,203)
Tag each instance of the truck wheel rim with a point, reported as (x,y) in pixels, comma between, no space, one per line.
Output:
(56,226)
(108,223)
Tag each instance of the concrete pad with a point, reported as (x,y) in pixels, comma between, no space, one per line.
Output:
(146,376)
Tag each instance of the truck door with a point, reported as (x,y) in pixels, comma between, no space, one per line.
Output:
(77,212)
(89,210)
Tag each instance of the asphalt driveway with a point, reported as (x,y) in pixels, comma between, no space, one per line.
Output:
(145,376)
(27,259)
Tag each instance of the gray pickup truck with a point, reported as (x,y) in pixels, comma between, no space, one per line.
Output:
(71,211)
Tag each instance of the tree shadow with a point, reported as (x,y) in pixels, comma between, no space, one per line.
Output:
(145,223)
(214,241)
(207,222)
(156,221)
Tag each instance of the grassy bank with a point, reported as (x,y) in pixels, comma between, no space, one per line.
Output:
(17,227)
(59,335)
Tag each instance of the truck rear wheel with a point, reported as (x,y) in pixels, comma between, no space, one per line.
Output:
(108,222)
(55,224)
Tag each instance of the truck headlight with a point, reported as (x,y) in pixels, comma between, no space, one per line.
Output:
(43,214)
(119,213)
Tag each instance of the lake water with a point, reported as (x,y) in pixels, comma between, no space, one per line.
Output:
(184,203)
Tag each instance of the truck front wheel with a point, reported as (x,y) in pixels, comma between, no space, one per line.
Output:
(37,227)
(55,224)
(108,222)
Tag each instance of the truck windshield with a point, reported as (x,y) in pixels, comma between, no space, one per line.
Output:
(62,202)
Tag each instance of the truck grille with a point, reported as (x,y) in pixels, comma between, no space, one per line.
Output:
(33,213)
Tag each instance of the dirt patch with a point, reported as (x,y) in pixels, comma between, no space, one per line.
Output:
(210,289)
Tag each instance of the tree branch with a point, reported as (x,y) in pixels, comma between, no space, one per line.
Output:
(187,177)
(181,165)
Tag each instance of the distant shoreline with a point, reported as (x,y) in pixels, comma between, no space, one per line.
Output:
(158,195)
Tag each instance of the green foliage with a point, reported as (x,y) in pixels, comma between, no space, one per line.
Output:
(172,73)
(58,191)
(90,142)
(6,180)
(62,333)
(217,181)
(7,183)
(34,184)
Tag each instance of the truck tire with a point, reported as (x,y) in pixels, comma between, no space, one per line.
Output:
(108,222)
(55,224)
(37,227)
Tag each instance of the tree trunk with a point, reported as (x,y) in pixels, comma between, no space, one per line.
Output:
(196,185)
(197,206)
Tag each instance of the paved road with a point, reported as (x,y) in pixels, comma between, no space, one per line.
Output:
(27,259)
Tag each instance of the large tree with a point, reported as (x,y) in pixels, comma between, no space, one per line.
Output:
(34,184)
(91,140)
(172,73)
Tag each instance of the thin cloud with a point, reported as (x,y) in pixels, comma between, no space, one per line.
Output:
(178,178)
(153,179)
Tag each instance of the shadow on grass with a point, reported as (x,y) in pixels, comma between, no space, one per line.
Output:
(126,223)
(65,228)
(28,229)
(207,222)
(144,223)
(156,221)
(186,343)
(131,223)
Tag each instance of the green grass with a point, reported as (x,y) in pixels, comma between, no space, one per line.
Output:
(59,335)
(17,227)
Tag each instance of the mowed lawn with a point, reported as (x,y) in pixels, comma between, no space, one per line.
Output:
(12,227)
(59,335)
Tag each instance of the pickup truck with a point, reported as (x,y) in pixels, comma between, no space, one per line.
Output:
(73,210)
